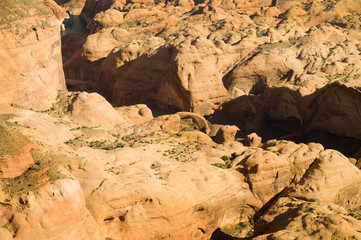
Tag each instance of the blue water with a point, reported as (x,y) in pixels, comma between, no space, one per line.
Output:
(78,25)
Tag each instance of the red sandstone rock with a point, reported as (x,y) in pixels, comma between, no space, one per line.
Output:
(253,140)
(226,133)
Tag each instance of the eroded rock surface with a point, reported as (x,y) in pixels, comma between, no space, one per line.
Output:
(195,55)
(31,67)
(124,173)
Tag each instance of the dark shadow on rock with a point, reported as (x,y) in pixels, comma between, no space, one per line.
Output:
(329,116)
(346,145)
(219,235)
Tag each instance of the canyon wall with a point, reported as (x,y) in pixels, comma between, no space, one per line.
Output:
(31,69)
(194,56)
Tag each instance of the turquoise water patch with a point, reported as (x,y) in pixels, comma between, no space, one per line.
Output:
(79,25)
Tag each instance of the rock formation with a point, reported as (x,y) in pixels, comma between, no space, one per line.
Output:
(144,165)
(226,133)
(31,66)
(92,110)
(194,56)
(253,140)
(332,109)
(15,156)
(34,188)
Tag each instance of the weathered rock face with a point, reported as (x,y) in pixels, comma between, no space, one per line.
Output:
(33,189)
(326,181)
(332,109)
(134,176)
(31,66)
(193,56)
(36,214)
(294,218)
(270,170)
(315,205)
(159,179)
(15,156)
(91,110)
(132,189)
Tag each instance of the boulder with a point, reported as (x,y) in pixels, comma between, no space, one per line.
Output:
(226,133)
(253,140)
(91,110)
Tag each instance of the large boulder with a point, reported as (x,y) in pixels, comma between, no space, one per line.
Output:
(91,109)
(226,133)
(253,140)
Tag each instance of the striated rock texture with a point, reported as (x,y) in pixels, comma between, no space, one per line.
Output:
(144,177)
(141,183)
(31,64)
(162,179)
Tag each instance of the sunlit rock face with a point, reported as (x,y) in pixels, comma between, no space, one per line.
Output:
(31,65)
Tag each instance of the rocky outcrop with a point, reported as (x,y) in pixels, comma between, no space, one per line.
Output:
(73,6)
(136,114)
(319,204)
(34,188)
(270,170)
(194,56)
(15,156)
(252,140)
(35,214)
(326,181)
(199,119)
(332,109)
(32,70)
(164,178)
(226,133)
(295,218)
(91,110)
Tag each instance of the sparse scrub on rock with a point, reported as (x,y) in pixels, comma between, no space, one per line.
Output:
(44,170)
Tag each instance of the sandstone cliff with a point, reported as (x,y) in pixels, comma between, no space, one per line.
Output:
(31,64)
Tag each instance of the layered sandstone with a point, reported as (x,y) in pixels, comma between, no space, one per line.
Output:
(193,56)
(36,214)
(33,189)
(31,66)
(121,173)
(134,176)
